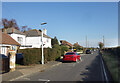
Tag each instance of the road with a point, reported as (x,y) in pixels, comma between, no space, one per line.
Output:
(89,69)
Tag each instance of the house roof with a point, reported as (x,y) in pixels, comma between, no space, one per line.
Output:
(63,42)
(34,32)
(13,30)
(6,39)
(76,44)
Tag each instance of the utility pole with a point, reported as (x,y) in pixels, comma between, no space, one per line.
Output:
(103,41)
(86,42)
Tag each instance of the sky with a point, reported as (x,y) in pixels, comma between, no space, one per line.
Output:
(70,21)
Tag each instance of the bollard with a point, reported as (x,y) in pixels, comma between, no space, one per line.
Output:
(12,60)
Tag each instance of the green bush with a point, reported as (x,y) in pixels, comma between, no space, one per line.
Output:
(63,49)
(34,55)
(56,52)
(31,56)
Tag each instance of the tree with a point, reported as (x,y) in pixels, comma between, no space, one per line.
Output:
(63,49)
(101,45)
(24,28)
(29,29)
(40,30)
(9,23)
(77,46)
(54,41)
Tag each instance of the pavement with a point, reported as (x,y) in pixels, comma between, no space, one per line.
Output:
(22,71)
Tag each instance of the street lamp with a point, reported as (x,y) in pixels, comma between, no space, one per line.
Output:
(42,43)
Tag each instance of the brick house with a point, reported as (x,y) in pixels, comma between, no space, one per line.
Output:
(7,43)
(76,44)
(63,42)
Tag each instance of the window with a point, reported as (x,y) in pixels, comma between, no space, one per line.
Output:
(76,54)
(13,48)
(20,40)
(70,53)
(4,50)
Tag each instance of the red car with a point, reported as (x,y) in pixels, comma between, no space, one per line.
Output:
(71,56)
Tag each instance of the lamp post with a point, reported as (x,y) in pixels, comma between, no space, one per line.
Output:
(42,44)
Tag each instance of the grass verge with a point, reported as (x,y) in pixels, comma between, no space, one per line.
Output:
(112,64)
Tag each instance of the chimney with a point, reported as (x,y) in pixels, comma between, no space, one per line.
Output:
(12,30)
(45,31)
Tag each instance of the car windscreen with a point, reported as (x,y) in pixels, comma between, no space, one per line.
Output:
(69,54)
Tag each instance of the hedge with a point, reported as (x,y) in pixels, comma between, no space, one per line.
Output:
(34,55)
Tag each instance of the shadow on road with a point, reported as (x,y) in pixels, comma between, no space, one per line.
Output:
(93,71)
(60,60)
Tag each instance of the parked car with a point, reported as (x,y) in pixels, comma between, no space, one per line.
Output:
(88,51)
(19,58)
(71,56)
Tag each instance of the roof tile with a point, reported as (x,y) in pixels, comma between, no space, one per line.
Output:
(6,39)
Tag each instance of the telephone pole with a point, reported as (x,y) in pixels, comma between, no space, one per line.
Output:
(103,41)
(86,42)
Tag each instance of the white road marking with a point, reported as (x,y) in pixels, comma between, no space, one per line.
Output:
(104,71)
(18,78)
(26,78)
(44,80)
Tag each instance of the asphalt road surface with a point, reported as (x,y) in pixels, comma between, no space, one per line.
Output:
(89,69)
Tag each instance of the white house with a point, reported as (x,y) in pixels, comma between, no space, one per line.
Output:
(30,39)
(7,43)
(16,35)
(33,38)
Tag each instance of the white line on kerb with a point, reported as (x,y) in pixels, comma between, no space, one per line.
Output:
(104,71)
(44,80)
